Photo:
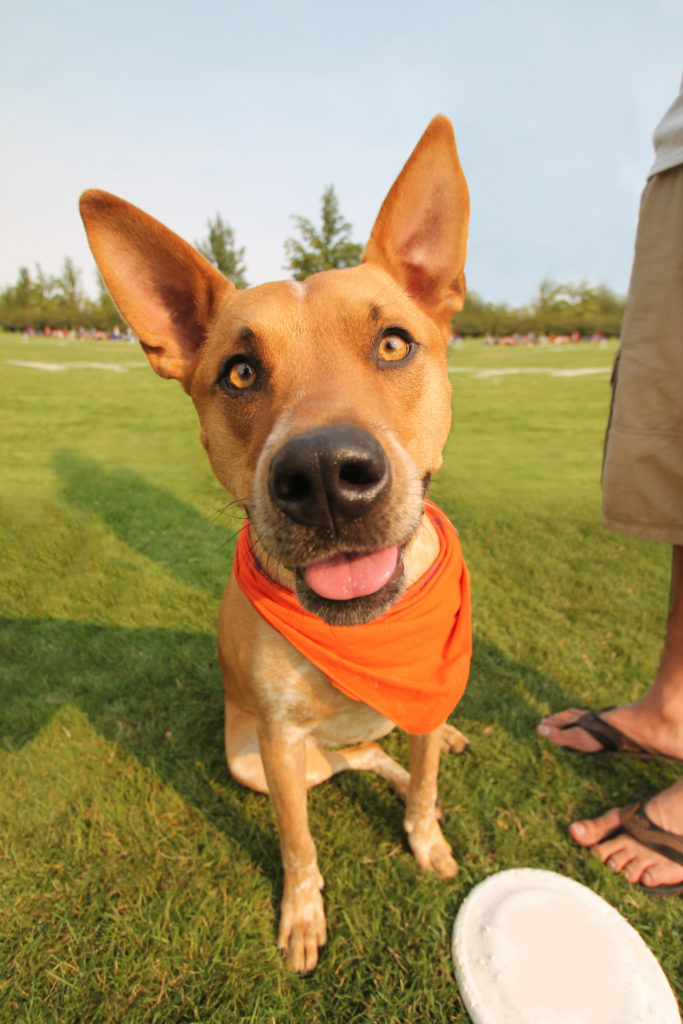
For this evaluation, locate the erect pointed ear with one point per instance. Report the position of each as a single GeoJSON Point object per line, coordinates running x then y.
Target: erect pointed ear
{"type": "Point", "coordinates": [163, 288]}
{"type": "Point", "coordinates": [420, 235]}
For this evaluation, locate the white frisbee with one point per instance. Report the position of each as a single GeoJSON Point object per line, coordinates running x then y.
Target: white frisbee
{"type": "Point", "coordinates": [534, 947]}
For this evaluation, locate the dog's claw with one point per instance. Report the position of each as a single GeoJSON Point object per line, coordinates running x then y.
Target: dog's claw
{"type": "Point", "coordinates": [453, 741]}
{"type": "Point", "coordinates": [430, 849]}
{"type": "Point", "coordinates": [303, 931]}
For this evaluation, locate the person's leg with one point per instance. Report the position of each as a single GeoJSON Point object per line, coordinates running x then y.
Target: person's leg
{"type": "Point", "coordinates": [656, 720]}
{"type": "Point", "coordinates": [642, 480]}
{"type": "Point", "coordinates": [642, 489]}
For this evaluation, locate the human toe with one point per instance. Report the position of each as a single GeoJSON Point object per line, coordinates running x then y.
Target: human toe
{"type": "Point", "coordinates": [563, 730]}
{"type": "Point", "coordinates": [660, 870]}
{"type": "Point", "coordinates": [590, 831]}
{"type": "Point", "coordinates": [560, 719]}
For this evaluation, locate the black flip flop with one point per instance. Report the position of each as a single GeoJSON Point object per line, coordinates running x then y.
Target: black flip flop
{"type": "Point", "coordinates": [636, 823]}
{"type": "Point", "coordinates": [611, 739]}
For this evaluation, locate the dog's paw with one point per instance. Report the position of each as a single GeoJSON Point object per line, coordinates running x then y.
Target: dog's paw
{"type": "Point", "coordinates": [430, 849]}
{"type": "Point", "coordinates": [453, 741]}
{"type": "Point", "coordinates": [303, 929]}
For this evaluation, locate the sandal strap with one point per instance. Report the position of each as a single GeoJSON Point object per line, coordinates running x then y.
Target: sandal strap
{"type": "Point", "coordinates": [611, 739]}
{"type": "Point", "coordinates": [636, 823]}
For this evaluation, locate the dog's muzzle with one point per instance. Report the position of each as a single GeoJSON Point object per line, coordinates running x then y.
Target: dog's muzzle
{"type": "Point", "coordinates": [329, 477]}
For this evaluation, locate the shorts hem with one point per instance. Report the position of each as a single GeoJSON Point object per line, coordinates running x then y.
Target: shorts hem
{"type": "Point", "coordinates": [645, 531]}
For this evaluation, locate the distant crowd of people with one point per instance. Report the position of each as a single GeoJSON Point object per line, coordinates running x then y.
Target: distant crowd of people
{"type": "Point", "coordinates": [532, 338]}
{"type": "Point", "coordinates": [80, 333]}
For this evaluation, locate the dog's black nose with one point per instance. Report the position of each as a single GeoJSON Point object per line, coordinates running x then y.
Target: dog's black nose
{"type": "Point", "coordinates": [329, 476]}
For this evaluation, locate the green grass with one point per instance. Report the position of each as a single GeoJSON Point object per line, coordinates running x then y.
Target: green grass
{"type": "Point", "coordinates": [138, 882]}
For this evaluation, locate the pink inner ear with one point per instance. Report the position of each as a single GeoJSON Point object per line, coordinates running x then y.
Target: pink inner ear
{"type": "Point", "coordinates": [420, 284]}
{"type": "Point", "coordinates": [428, 258]}
{"type": "Point", "coordinates": [162, 286]}
{"type": "Point", "coordinates": [420, 235]}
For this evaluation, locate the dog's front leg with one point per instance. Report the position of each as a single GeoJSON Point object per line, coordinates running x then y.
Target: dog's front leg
{"type": "Point", "coordinates": [426, 840]}
{"type": "Point", "coordinates": [303, 931]}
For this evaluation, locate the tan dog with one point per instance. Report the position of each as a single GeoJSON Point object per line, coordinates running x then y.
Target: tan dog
{"type": "Point", "coordinates": [324, 409]}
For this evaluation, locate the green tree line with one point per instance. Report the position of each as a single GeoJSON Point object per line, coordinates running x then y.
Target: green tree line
{"type": "Point", "coordinates": [557, 309]}
{"type": "Point", "coordinates": [38, 300]}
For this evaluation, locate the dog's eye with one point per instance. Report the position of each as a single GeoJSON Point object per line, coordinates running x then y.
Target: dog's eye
{"type": "Point", "coordinates": [393, 348]}
{"type": "Point", "coordinates": [242, 376]}
{"type": "Point", "coordinates": [238, 375]}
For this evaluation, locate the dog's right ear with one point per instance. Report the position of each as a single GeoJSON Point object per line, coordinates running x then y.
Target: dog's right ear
{"type": "Point", "coordinates": [420, 235]}
{"type": "Point", "coordinates": [164, 289]}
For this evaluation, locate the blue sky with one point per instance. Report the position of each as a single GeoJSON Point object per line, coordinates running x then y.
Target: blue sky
{"type": "Point", "coordinates": [251, 109]}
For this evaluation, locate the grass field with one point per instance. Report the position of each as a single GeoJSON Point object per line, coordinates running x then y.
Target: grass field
{"type": "Point", "coordinates": [138, 882]}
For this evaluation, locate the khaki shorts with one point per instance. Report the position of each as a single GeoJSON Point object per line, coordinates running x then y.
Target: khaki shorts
{"type": "Point", "coordinates": [642, 479]}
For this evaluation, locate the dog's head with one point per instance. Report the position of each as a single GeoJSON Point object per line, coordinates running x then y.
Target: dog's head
{"type": "Point", "coordinates": [324, 405]}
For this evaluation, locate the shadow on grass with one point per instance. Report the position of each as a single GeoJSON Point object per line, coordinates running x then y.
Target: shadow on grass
{"type": "Point", "coordinates": [193, 549]}
{"type": "Point", "coordinates": [159, 693]}
{"type": "Point", "coordinates": [507, 692]}
{"type": "Point", "coordinates": [155, 692]}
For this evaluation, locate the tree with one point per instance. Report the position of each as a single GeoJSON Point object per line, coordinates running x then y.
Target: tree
{"type": "Point", "coordinates": [40, 300]}
{"type": "Point", "coordinates": [219, 249]}
{"type": "Point", "coordinates": [68, 284]}
{"type": "Point", "coordinates": [564, 308]}
{"type": "Point", "coordinates": [65, 295]}
{"type": "Point", "coordinates": [19, 302]}
{"type": "Point", "coordinates": [100, 313]}
{"type": "Point", "coordinates": [325, 250]}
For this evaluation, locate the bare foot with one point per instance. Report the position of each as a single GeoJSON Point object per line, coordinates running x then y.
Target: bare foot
{"type": "Point", "coordinates": [624, 854]}
{"type": "Point", "coordinates": [640, 722]}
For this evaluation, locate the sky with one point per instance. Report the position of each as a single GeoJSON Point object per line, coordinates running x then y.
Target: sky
{"type": "Point", "coordinates": [251, 109]}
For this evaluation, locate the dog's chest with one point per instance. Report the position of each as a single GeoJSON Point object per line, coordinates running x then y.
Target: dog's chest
{"type": "Point", "coordinates": [291, 690]}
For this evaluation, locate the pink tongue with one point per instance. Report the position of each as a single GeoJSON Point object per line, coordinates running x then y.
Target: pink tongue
{"type": "Point", "coordinates": [347, 576]}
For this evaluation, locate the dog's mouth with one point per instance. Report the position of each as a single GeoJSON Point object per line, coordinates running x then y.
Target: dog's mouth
{"type": "Point", "coordinates": [350, 589]}
{"type": "Point", "coordinates": [345, 577]}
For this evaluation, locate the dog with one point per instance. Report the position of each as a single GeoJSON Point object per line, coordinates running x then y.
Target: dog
{"type": "Point", "coordinates": [324, 408]}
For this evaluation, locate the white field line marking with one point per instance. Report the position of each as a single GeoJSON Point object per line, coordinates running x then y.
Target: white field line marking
{"type": "Point", "coordinates": [508, 371]}
{"type": "Point", "coordinates": [60, 367]}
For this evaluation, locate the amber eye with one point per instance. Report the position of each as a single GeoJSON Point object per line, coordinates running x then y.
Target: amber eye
{"type": "Point", "coordinates": [242, 376]}
{"type": "Point", "coordinates": [393, 348]}
{"type": "Point", "coordinates": [238, 374]}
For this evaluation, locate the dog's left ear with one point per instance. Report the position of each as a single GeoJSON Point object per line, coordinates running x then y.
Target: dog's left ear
{"type": "Point", "coordinates": [420, 235]}
{"type": "Point", "coordinates": [162, 286]}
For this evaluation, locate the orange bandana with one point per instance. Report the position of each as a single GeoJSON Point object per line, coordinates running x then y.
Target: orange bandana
{"type": "Point", "coordinates": [410, 664]}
